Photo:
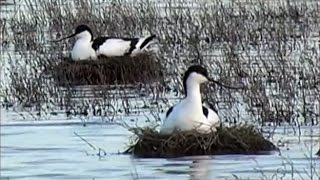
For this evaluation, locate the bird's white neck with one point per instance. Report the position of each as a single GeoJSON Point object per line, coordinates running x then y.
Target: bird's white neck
{"type": "Point", "coordinates": [193, 92]}
{"type": "Point", "coordinates": [84, 37]}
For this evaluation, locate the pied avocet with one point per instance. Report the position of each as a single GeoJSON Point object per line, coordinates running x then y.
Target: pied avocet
{"type": "Point", "coordinates": [86, 47]}
{"type": "Point", "coordinates": [190, 113]}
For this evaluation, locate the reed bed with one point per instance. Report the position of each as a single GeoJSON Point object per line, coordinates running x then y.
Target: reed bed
{"type": "Point", "coordinates": [108, 71]}
{"type": "Point", "coordinates": [271, 50]}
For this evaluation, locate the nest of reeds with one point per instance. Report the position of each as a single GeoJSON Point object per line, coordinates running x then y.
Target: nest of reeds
{"type": "Point", "coordinates": [142, 68]}
{"type": "Point", "coordinates": [226, 140]}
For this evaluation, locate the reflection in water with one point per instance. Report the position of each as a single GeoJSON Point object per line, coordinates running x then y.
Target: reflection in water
{"type": "Point", "coordinates": [196, 167]}
{"type": "Point", "coordinates": [199, 169]}
{"type": "Point", "coordinates": [190, 167]}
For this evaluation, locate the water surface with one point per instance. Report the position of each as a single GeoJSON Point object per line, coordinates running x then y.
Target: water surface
{"type": "Point", "coordinates": [35, 150]}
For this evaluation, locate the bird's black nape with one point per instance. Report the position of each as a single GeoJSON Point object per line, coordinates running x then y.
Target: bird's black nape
{"type": "Point", "coordinates": [193, 69]}
{"type": "Point", "coordinates": [81, 28]}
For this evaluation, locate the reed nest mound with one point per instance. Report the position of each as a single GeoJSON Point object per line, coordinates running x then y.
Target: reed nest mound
{"type": "Point", "coordinates": [143, 68]}
{"type": "Point", "coordinates": [226, 140]}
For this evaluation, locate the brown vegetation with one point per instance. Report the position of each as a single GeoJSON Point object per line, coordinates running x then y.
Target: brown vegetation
{"type": "Point", "coordinates": [108, 71]}
{"type": "Point", "coordinates": [271, 50]}
{"type": "Point", "coordinates": [227, 140]}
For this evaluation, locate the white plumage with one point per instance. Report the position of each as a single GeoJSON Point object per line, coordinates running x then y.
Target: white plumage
{"type": "Point", "coordinates": [113, 47]}
{"type": "Point", "coordinates": [190, 114]}
{"type": "Point", "coordinates": [116, 46]}
{"type": "Point", "coordinates": [82, 48]}
{"type": "Point", "coordinates": [213, 117]}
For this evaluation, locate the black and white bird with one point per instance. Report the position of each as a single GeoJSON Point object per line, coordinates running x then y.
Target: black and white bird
{"type": "Point", "coordinates": [190, 113]}
{"type": "Point", "coordinates": [86, 47]}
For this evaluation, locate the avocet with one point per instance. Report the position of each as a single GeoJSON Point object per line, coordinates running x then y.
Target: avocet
{"type": "Point", "coordinates": [86, 47]}
{"type": "Point", "coordinates": [190, 113]}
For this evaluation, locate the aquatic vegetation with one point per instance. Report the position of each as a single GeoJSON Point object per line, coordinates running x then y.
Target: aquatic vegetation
{"type": "Point", "coordinates": [270, 50]}
{"type": "Point", "coordinates": [227, 140]}
{"type": "Point", "coordinates": [116, 70]}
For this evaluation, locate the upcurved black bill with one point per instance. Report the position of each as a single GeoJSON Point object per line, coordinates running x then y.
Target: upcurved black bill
{"type": "Point", "coordinates": [223, 85]}
{"type": "Point", "coordinates": [72, 35]}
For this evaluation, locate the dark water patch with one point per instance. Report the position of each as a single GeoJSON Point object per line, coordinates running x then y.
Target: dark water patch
{"type": "Point", "coordinates": [108, 170]}
{"type": "Point", "coordinates": [247, 171]}
{"type": "Point", "coordinates": [5, 178]}
{"type": "Point", "coordinates": [174, 165]}
{"type": "Point", "coordinates": [15, 133]}
{"type": "Point", "coordinates": [176, 172]}
{"type": "Point", "coordinates": [146, 177]}
{"type": "Point", "coordinates": [50, 161]}
{"type": "Point", "coordinates": [35, 149]}
{"type": "Point", "coordinates": [46, 175]}
{"type": "Point", "coordinates": [3, 169]}
{"type": "Point", "coordinates": [52, 124]}
{"type": "Point", "coordinates": [6, 147]}
{"type": "Point", "coordinates": [302, 160]}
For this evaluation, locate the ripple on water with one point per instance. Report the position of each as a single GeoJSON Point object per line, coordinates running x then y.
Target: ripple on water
{"type": "Point", "coordinates": [17, 149]}
{"type": "Point", "coordinates": [50, 161]}
{"type": "Point", "coordinates": [37, 176]}
{"type": "Point", "coordinates": [54, 152]}
{"type": "Point", "coordinates": [2, 134]}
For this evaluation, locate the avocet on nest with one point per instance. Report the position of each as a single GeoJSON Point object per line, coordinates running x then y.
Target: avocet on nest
{"type": "Point", "coordinates": [190, 113]}
{"type": "Point", "coordinates": [86, 47]}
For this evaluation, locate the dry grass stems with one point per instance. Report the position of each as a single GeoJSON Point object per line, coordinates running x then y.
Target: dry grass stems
{"type": "Point", "coordinates": [271, 50]}
{"type": "Point", "coordinates": [142, 69]}
{"type": "Point", "coordinates": [227, 140]}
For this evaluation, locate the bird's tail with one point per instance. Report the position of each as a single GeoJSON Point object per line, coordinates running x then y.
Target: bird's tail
{"type": "Point", "coordinates": [147, 41]}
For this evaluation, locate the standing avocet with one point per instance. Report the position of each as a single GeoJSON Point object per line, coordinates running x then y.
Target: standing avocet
{"type": "Point", "coordinates": [86, 47]}
{"type": "Point", "coordinates": [190, 114]}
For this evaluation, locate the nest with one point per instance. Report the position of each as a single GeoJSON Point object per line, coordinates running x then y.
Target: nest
{"type": "Point", "coordinates": [108, 71]}
{"type": "Point", "coordinates": [227, 140]}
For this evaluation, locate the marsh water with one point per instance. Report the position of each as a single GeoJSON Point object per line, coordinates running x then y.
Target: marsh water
{"type": "Point", "coordinates": [53, 149]}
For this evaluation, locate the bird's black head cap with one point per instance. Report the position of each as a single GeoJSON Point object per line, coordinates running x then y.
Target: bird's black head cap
{"type": "Point", "coordinates": [193, 69]}
{"type": "Point", "coordinates": [82, 28]}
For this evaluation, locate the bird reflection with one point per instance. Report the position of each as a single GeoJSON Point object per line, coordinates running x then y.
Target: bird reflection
{"type": "Point", "coordinates": [199, 169]}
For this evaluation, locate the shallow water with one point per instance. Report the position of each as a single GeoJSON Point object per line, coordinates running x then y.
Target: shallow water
{"type": "Point", "coordinates": [37, 150]}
